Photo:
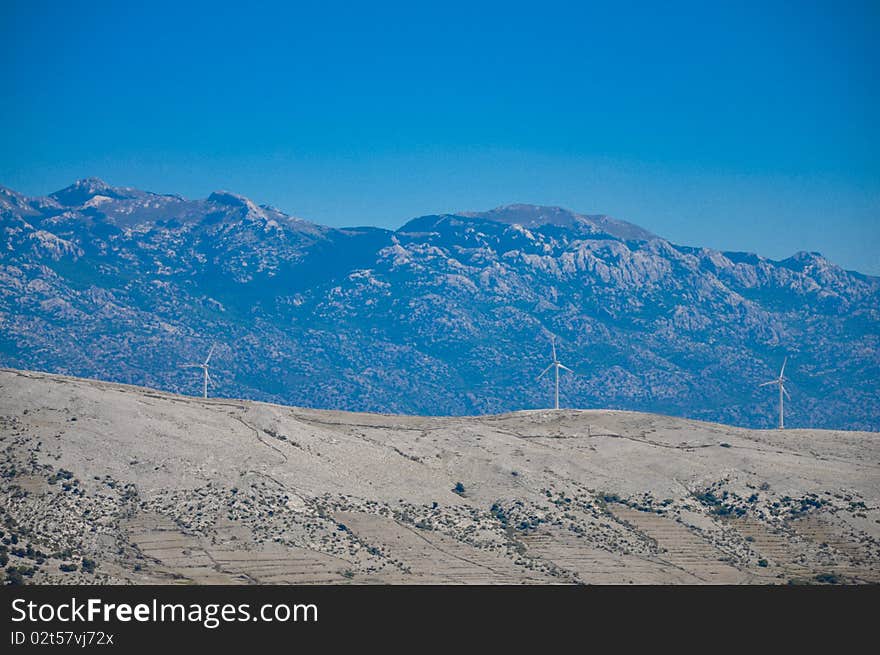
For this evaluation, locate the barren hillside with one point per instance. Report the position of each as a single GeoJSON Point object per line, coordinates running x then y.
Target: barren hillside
{"type": "Point", "coordinates": [144, 487]}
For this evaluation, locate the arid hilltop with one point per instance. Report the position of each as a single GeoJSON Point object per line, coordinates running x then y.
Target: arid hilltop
{"type": "Point", "coordinates": [110, 483]}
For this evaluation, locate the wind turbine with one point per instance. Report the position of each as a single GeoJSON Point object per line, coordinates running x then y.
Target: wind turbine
{"type": "Point", "coordinates": [555, 365]}
{"type": "Point", "coordinates": [780, 381]}
{"type": "Point", "coordinates": [204, 367]}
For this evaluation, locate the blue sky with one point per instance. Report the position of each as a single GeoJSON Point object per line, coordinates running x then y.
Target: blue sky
{"type": "Point", "coordinates": [741, 125]}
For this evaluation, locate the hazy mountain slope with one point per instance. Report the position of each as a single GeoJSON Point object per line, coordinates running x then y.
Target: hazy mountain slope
{"type": "Point", "coordinates": [155, 487]}
{"type": "Point", "coordinates": [534, 216]}
{"type": "Point", "coordinates": [447, 315]}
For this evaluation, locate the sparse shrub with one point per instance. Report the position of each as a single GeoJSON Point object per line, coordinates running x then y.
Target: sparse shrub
{"type": "Point", "coordinates": [498, 512]}
{"type": "Point", "coordinates": [763, 563]}
{"type": "Point", "coordinates": [13, 576]}
{"type": "Point", "coordinates": [88, 565]}
{"type": "Point", "coordinates": [67, 568]}
{"type": "Point", "coordinates": [458, 489]}
{"type": "Point", "coordinates": [707, 498]}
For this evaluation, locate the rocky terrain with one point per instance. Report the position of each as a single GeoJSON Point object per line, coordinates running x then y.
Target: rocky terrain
{"type": "Point", "coordinates": [110, 483]}
{"type": "Point", "coordinates": [448, 315]}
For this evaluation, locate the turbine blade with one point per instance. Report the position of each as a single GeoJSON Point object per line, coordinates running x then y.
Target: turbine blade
{"type": "Point", "coordinates": [785, 391]}
{"type": "Point", "coordinates": [553, 346]}
{"type": "Point", "coordinates": [565, 367]}
{"type": "Point", "coordinates": [210, 352]}
{"type": "Point", "coordinates": [782, 371]}
{"type": "Point", "coordinates": [770, 382]}
{"type": "Point", "coordinates": [544, 372]}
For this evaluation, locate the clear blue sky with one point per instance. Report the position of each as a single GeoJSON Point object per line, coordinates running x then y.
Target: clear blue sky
{"type": "Point", "coordinates": [736, 125]}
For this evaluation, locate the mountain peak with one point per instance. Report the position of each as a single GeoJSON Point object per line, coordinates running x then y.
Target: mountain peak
{"type": "Point", "coordinates": [92, 181]}
{"type": "Point", "coordinates": [94, 184]}
{"type": "Point", "coordinates": [84, 190]}
{"type": "Point", "coordinates": [527, 215]}
{"type": "Point", "coordinates": [533, 216]}
{"type": "Point", "coordinates": [228, 198]}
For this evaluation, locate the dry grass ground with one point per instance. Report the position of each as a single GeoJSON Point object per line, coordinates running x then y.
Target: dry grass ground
{"type": "Point", "coordinates": [156, 488]}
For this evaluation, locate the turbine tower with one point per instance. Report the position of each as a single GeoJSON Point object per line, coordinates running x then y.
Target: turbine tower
{"type": "Point", "coordinates": [555, 364]}
{"type": "Point", "coordinates": [780, 382]}
{"type": "Point", "coordinates": [204, 367]}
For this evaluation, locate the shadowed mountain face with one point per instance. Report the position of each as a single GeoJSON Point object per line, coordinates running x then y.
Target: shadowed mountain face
{"type": "Point", "coordinates": [447, 315]}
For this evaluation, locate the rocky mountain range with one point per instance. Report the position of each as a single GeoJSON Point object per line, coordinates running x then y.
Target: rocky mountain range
{"type": "Point", "coordinates": [449, 314]}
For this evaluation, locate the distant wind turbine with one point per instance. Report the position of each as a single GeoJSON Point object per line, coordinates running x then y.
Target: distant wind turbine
{"type": "Point", "coordinates": [204, 367]}
{"type": "Point", "coordinates": [780, 382]}
{"type": "Point", "coordinates": [555, 364]}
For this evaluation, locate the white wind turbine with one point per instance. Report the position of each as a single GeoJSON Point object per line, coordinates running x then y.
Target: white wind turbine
{"type": "Point", "coordinates": [780, 381]}
{"type": "Point", "coordinates": [555, 365]}
{"type": "Point", "coordinates": [204, 367]}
